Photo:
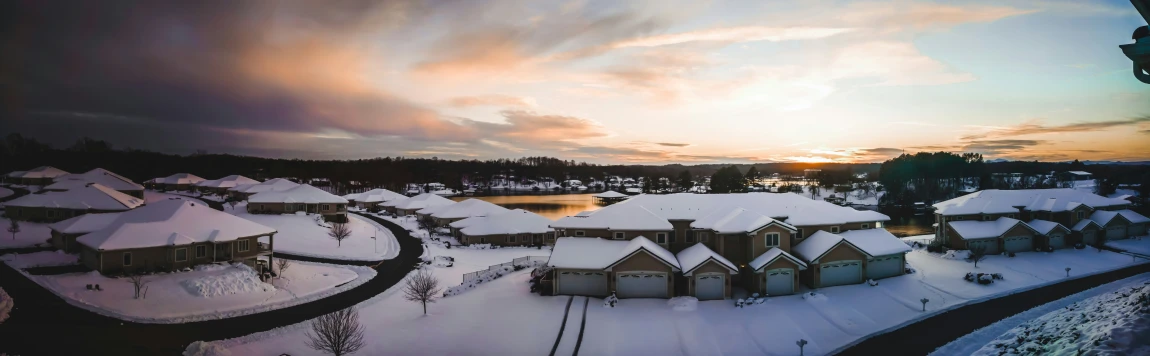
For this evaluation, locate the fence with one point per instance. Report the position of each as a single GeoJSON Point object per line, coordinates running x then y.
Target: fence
{"type": "Point", "coordinates": [522, 261]}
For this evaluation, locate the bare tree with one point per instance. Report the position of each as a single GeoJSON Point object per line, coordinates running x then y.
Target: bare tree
{"type": "Point", "coordinates": [338, 333]}
{"type": "Point", "coordinates": [233, 203]}
{"type": "Point", "coordinates": [140, 285]}
{"type": "Point", "coordinates": [423, 288]}
{"type": "Point", "coordinates": [282, 265]}
{"type": "Point", "coordinates": [977, 253]}
{"type": "Point", "coordinates": [339, 232]}
{"type": "Point", "coordinates": [13, 227]}
{"type": "Point", "coordinates": [427, 223]}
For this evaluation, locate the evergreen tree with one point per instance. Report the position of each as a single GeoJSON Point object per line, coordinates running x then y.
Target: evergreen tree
{"type": "Point", "coordinates": [685, 181]}
{"type": "Point", "coordinates": [728, 180]}
{"type": "Point", "coordinates": [752, 177]}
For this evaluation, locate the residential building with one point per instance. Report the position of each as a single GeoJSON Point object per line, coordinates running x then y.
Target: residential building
{"type": "Point", "coordinates": [43, 175]}
{"type": "Point", "coordinates": [636, 268]}
{"type": "Point", "coordinates": [302, 198]}
{"type": "Point", "coordinates": [99, 175]}
{"type": "Point", "coordinates": [408, 206]}
{"type": "Point", "coordinates": [65, 232]}
{"type": "Point", "coordinates": [170, 235]}
{"type": "Point", "coordinates": [53, 206]}
{"type": "Point", "coordinates": [243, 191]}
{"type": "Point", "coordinates": [178, 182]}
{"type": "Point", "coordinates": [370, 199]}
{"type": "Point", "coordinates": [221, 186]}
{"type": "Point", "coordinates": [508, 228]}
{"type": "Point", "coordinates": [1075, 176]}
{"type": "Point", "coordinates": [446, 214]}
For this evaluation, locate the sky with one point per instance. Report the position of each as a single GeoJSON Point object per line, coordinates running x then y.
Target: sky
{"type": "Point", "coordinates": [647, 82]}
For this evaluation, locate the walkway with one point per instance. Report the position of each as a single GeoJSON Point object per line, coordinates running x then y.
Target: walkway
{"type": "Point", "coordinates": [44, 324]}
{"type": "Point", "coordinates": [924, 336]}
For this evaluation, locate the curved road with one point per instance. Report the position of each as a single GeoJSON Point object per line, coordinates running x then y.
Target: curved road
{"type": "Point", "coordinates": [44, 324]}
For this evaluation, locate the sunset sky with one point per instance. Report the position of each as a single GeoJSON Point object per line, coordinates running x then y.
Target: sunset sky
{"type": "Point", "coordinates": [607, 82]}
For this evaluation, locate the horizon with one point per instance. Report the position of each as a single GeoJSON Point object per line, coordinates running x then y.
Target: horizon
{"type": "Point", "coordinates": [598, 82]}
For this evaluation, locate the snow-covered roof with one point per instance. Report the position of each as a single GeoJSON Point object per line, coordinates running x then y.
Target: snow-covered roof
{"type": "Point", "coordinates": [875, 242]}
{"type": "Point", "coordinates": [99, 175]}
{"type": "Point", "coordinates": [733, 220]}
{"type": "Point", "coordinates": [516, 221]}
{"type": "Point", "coordinates": [970, 229]}
{"type": "Point", "coordinates": [227, 182]}
{"type": "Point", "coordinates": [466, 209]}
{"type": "Point", "coordinates": [993, 201]}
{"type": "Point", "coordinates": [38, 172]}
{"type": "Point", "coordinates": [1103, 217]}
{"type": "Point", "coordinates": [1080, 173]}
{"type": "Point", "coordinates": [92, 196]}
{"type": "Point", "coordinates": [171, 222]}
{"type": "Point", "coordinates": [771, 255]}
{"type": "Point", "coordinates": [180, 178]}
{"type": "Point", "coordinates": [611, 194]}
{"type": "Point", "coordinates": [376, 195]}
{"type": "Point", "coordinates": [1044, 226]}
{"type": "Point", "coordinates": [653, 212]}
{"type": "Point", "coordinates": [419, 202]}
{"type": "Point", "coordinates": [817, 245]}
{"type": "Point", "coordinates": [271, 185]}
{"type": "Point", "coordinates": [1082, 224]}
{"type": "Point", "coordinates": [695, 256]}
{"type": "Point", "coordinates": [642, 243]}
{"type": "Point", "coordinates": [85, 223]}
{"type": "Point", "coordinates": [596, 253]}
{"type": "Point", "coordinates": [302, 193]}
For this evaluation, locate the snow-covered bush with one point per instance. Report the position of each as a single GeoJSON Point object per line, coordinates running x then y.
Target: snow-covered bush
{"type": "Point", "coordinates": [205, 348]}
{"type": "Point", "coordinates": [685, 303]}
{"type": "Point", "coordinates": [957, 255]}
{"type": "Point", "coordinates": [1010, 254]}
{"type": "Point", "coordinates": [817, 297]}
{"type": "Point", "coordinates": [872, 282]}
{"type": "Point", "coordinates": [982, 278]}
{"type": "Point", "coordinates": [610, 301]}
{"type": "Point", "coordinates": [1079, 246]}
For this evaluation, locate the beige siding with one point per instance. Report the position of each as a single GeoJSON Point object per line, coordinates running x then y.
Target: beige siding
{"type": "Point", "coordinates": [643, 261]}
{"type": "Point", "coordinates": [842, 252]}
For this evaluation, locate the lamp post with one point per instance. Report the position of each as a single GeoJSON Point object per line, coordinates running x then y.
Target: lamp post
{"type": "Point", "coordinates": [1139, 51]}
{"type": "Point", "coordinates": [801, 343]}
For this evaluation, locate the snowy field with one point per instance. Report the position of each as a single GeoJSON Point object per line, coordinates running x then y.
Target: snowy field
{"type": "Point", "coordinates": [5, 192]}
{"type": "Point", "coordinates": [31, 234]}
{"type": "Point", "coordinates": [976, 340]}
{"type": "Point", "coordinates": [831, 319]}
{"type": "Point", "coordinates": [208, 292]}
{"type": "Point", "coordinates": [1139, 245]}
{"type": "Point", "coordinates": [302, 235]}
{"type": "Point", "coordinates": [40, 259]}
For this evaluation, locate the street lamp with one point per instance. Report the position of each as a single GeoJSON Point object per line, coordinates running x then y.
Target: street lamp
{"type": "Point", "coordinates": [1139, 51]}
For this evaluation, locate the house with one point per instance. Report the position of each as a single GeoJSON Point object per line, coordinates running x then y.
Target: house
{"type": "Point", "coordinates": [221, 186]}
{"type": "Point", "coordinates": [1064, 206]}
{"type": "Point", "coordinates": [446, 214]}
{"type": "Point", "coordinates": [1120, 224]}
{"type": "Point", "coordinates": [508, 228]}
{"type": "Point", "coordinates": [996, 236]}
{"type": "Point", "coordinates": [101, 176]}
{"type": "Point", "coordinates": [178, 182]}
{"type": "Point", "coordinates": [408, 206]}
{"type": "Point", "coordinates": [371, 198]}
{"type": "Point", "coordinates": [1053, 235]}
{"type": "Point", "coordinates": [170, 235]}
{"type": "Point", "coordinates": [638, 268]}
{"type": "Point", "coordinates": [850, 257]}
{"type": "Point", "coordinates": [243, 191]}
{"type": "Point", "coordinates": [1072, 176]}
{"type": "Point", "coordinates": [302, 198]}
{"type": "Point", "coordinates": [43, 175]}
{"type": "Point", "coordinates": [708, 274]}
{"type": "Point", "coordinates": [610, 197]}
{"type": "Point", "coordinates": [53, 206]}
{"type": "Point", "coordinates": [65, 232]}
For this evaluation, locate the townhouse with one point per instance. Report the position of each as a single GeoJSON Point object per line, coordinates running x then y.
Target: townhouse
{"type": "Point", "coordinates": [302, 198]}
{"type": "Point", "coordinates": [53, 206]}
{"type": "Point", "coordinates": [507, 228]}
{"type": "Point", "coordinates": [178, 182]}
{"type": "Point", "coordinates": [372, 198]}
{"type": "Point", "coordinates": [449, 213]}
{"type": "Point", "coordinates": [220, 186]}
{"type": "Point", "coordinates": [42, 175]}
{"type": "Point", "coordinates": [244, 191]}
{"type": "Point", "coordinates": [101, 176]}
{"type": "Point", "coordinates": [408, 206]}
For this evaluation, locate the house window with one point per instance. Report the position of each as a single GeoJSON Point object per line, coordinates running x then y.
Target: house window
{"type": "Point", "coordinates": [323, 207]}
{"type": "Point", "coordinates": [1081, 215]}
{"type": "Point", "coordinates": [51, 213]}
{"type": "Point", "coordinates": [878, 224]}
{"type": "Point", "coordinates": [260, 207]}
{"type": "Point", "coordinates": [703, 236]}
{"type": "Point", "coordinates": [834, 229]}
{"type": "Point", "coordinates": [986, 218]}
{"type": "Point", "coordinates": [958, 218]}
{"type": "Point", "coordinates": [127, 258]}
{"type": "Point", "coordinates": [242, 245]}
{"type": "Point", "coordinates": [690, 236]}
{"type": "Point", "coordinates": [580, 233]}
{"type": "Point", "coordinates": [550, 238]}
{"type": "Point", "coordinates": [618, 235]}
{"type": "Point", "coordinates": [771, 240]}
{"type": "Point", "coordinates": [865, 226]}
{"type": "Point", "coordinates": [201, 251]}
{"type": "Point", "coordinates": [1012, 216]}
{"type": "Point", "coordinates": [800, 232]}
{"type": "Point", "coordinates": [511, 239]}
{"type": "Point", "coordinates": [661, 237]}
{"type": "Point", "coordinates": [181, 254]}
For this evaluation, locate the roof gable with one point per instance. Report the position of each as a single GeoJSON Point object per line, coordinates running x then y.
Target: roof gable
{"type": "Point", "coordinates": [697, 255]}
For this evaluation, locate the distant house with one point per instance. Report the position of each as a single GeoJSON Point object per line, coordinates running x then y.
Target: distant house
{"type": "Point", "coordinates": [99, 175]}
{"type": "Point", "coordinates": [370, 199]}
{"type": "Point", "coordinates": [221, 186]}
{"type": "Point", "coordinates": [409, 206]}
{"type": "Point", "coordinates": [1072, 176]}
{"type": "Point", "coordinates": [178, 181]}
{"type": "Point", "coordinates": [243, 191]}
{"type": "Point", "coordinates": [52, 206]}
{"type": "Point", "coordinates": [302, 198]}
{"type": "Point", "coordinates": [43, 175]}
{"type": "Point", "coordinates": [446, 214]}
{"type": "Point", "coordinates": [170, 235]}
{"type": "Point", "coordinates": [508, 228]}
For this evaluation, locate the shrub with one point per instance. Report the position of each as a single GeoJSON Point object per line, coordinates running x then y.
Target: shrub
{"type": "Point", "coordinates": [936, 247]}
{"type": "Point", "coordinates": [1010, 254]}
{"type": "Point", "coordinates": [1079, 246]}
{"type": "Point", "coordinates": [982, 278]}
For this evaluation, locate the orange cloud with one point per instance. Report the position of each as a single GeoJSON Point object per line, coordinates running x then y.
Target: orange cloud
{"type": "Point", "coordinates": [492, 100]}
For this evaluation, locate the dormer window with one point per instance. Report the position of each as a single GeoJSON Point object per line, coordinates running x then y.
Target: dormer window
{"type": "Point", "coordinates": [1081, 215]}
{"type": "Point", "coordinates": [986, 218]}
{"type": "Point", "coordinates": [834, 229]}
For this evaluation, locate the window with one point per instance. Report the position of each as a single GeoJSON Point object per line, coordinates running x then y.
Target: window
{"type": "Point", "coordinates": [771, 239]}
{"type": "Point", "coordinates": [690, 236]}
{"type": "Point", "coordinates": [878, 224]}
{"type": "Point", "coordinates": [801, 233]}
{"type": "Point", "coordinates": [958, 218]}
{"type": "Point", "coordinates": [127, 258]}
{"type": "Point", "coordinates": [260, 207]}
{"type": "Point", "coordinates": [242, 245]}
{"type": "Point", "coordinates": [834, 229]}
{"type": "Point", "coordinates": [703, 236]}
{"type": "Point", "coordinates": [51, 213]}
{"type": "Point", "coordinates": [619, 235]}
{"type": "Point", "coordinates": [323, 207]}
{"type": "Point", "coordinates": [201, 251]}
{"type": "Point", "coordinates": [661, 238]}
{"type": "Point", "coordinates": [865, 226]}
{"type": "Point", "coordinates": [550, 238]}
{"type": "Point", "coordinates": [181, 254]}
{"type": "Point", "coordinates": [1081, 215]}
{"type": "Point", "coordinates": [986, 218]}
{"type": "Point", "coordinates": [510, 239]}
{"type": "Point", "coordinates": [580, 233]}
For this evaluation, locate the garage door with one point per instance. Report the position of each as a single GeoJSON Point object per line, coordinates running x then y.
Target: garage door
{"type": "Point", "coordinates": [1019, 244]}
{"type": "Point", "coordinates": [1088, 237]}
{"type": "Point", "coordinates": [710, 286]}
{"type": "Point", "coordinates": [1057, 241]}
{"type": "Point", "coordinates": [583, 283]}
{"type": "Point", "coordinates": [991, 245]}
{"type": "Point", "coordinates": [641, 285]}
{"type": "Point", "coordinates": [884, 266]}
{"type": "Point", "coordinates": [1116, 232]}
{"type": "Point", "coordinates": [1136, 230]}
{"type": "Point", "coordinates": [840, 273]}
{"type": "Point", "coordinates": [780, 281]}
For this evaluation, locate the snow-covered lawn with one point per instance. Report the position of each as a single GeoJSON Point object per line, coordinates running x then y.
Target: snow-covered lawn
{"type": "Point", "coordinates": [303, 235]}
{"type": "Point", "coordinates": [829, 320]}
{"type": "Point", "coordinates": [209, 292]}
{"type": "Point", "coordinates": [1139, 245]}
{"type": "Point", "coordinates": [40, 259]}
{"type": "Point", "coordinates": [4, 192]}
{"type": "Point", "coordinates": [31, 234]}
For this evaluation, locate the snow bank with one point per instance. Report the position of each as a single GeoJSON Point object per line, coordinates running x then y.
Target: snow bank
{"type": "Point", "coordinates": [957, 255]}
{"type": "Point", "coordinates": [6, 305]}
{"type": "Point", "coordinates": [241, 279]}
{"type": "Point", "coordinates": [489, 275]}
{"type": "Point", "coordinates": [202, 348]}
{"type": "Point", "coordinates": [40, 259]}
{"type": "Point", "coordinates": [686, 303]}
{"type": "Point", "coordinates": [1135, 245]}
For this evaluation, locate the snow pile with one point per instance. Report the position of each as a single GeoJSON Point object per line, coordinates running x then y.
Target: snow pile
{"type": "Point", "coordinates": [1114, 323]}
{"type": "Point", "coordinates": [241, 280]}
{"type": "Point", "coordinates": [40, 259]}
{"type": "Point", "coordinates": [204, 348]}
{"type": "Point", "coordinates": [6, 305]}
{"type": "Point", "coordinates": [815, 297]}
{"type": "Point", "coordinates": [957, 255]}
{"type": "Point", "coordinates": [686, 303]}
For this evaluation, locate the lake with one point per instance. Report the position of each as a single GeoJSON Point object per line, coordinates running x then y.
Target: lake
{"type": "Point", "coordinates": [555, 206]}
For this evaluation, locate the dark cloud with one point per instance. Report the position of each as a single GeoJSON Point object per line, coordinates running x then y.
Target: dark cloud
{"type": "Point", "coordinates": [996, 147]}
{"type": "Point", "coordinates": [672, 144]}
{"type": "Point", "coordinates": [1033, 127]}
{"type": "Point", "coordinates": [880, 151]}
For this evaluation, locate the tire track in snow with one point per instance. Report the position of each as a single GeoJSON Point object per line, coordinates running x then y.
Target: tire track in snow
{"type": "Point", "coordinates": [562, 325]}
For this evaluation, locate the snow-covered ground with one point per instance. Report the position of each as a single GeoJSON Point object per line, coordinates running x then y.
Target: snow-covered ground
{"type": "Point", "coordinates": [31, 235]}
{"type": "Point", "coordinates": [976, 340]}
{"type": "Point", "coordinates": [828, 320]}
{"type": "Point", "coordinates": [1139, 245]}
{"type": "Point", "coordinates": [151, 196]}
{"type": "Point", "coordinates": [208, 292]}
{"type": "Point", "coordinates": [303, 235]}
{"type": "Point", "coordinates": [6, 305]}
{"type": "Point", "coordinates": [4, 192]}
{"type": "Point", "coordinates": [40, 259]}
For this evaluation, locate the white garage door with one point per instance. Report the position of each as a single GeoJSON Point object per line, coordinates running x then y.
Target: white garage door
{"type": "Point", "coordinates": [839, 273]}
{"type": "Point", "coordinates": [1057, 240]}
{"type": "Point", "coordinates": [641, 284]}
{"type": "Point", "coordinates": [582, 283]}
{"type": "Point", "coordinates": [1088, 237]}
{"type": "Point", "coordinates": [884, 266]}
{"type": "Point", "coordinates": [991, 245]}
{"type": "Point", "coordinates": [1116, 232]}
{"type": "Point", "coordinates": [780, 281]}
{"type": "Point", "coordinates": [1019, 244]}
{"type": "Point", "coordinates": [1136, 230]}
{"type": "Point", "coordinates": [710, 286]}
